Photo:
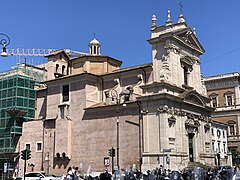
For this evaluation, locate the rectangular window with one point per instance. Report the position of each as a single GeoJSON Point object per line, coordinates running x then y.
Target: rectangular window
{"type": "Point", "coordinates": [224, 147]}
{"type": "Point", "coordinates": [185, 71]}
{"type": "Point", "coordinates": [212, 132]}
{"type": "Point", "coordinates": [232, 130]}
{"type": "Point", "coordinates": [213, 145]}
{"type": "Point", "coordinates": [39, 146]}
{"type": "Point", "coordinates": [65, 93]}
{"type": "Point", "coordinates": [219, 147]}
{"type": "Point", "coordinates": [223, 134]}
{"type": "Point", "coordinates": [62, 112]}
{"type": "Point", "coordinates": [229, 100]}
{"type": "Point", "coordinates": [28, 146]}
{"type": "Point", "coordinates": [214, 101]}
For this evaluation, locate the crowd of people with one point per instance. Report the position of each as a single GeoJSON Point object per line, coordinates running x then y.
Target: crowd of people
{"type": "Point", "coordinates": [198, 173]}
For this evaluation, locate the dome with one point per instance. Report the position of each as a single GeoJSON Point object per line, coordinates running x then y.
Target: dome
{"type": "Point", "coordinates": [94, 47]}
{"type": "Point", "coordinates": [94, 42]}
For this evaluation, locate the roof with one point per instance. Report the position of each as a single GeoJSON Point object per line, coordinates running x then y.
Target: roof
{"type": "Point", "coordinates": [222, 76]}
{"type": "Point", "coordinates": [94, 42]}
{"type": "Point", "coordinates": [91, 55]}
{"type": "Point", "coordinates": [115, 71]}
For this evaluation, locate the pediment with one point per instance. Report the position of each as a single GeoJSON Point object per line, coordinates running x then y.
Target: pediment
{"type": "Point", "coordinates": [194, 98]}
{"type": "Point", "coordinates": [189, 38]}
{"type": "Point", "coordinates": [187, 60]}
{"type": "Point", "coordinates": [213, 94]}
{"type": "Point", "coordinates": [231, 122]}
{"type": "Point", "coordinates": [228, 92]}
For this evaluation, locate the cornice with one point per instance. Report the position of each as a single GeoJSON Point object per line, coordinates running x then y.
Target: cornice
{"type": "Point", "coordinates": [163, 84]}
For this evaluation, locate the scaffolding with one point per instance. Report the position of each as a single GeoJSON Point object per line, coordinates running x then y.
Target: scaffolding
{"type": "Point", "coordinates": [17, 104]}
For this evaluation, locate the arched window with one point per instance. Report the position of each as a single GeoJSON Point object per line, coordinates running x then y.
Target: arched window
{"type": "Point", "coordinates": [63, 69]}
{"type": "Point", "coordinates": [91, 50]}
{"type": "Point", "coordinates": [57, 66]}
{"type": "Point", "coordinates": [95, 50]}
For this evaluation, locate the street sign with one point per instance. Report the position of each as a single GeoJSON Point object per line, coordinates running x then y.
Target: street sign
{"type": "Point", "coordinates": [166, 150]}
{"type": "Point", "coordinates": [106, 161]}
{"type": "Point", "coordinates": [5, 167]}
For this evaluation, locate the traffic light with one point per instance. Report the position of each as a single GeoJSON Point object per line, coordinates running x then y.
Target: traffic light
{"type": "Point", "coordinates": [111, 152]}
{"type": "Point", "coordinates": [25, 154]}
{"type": "Point", "coordinates": [28, 154]}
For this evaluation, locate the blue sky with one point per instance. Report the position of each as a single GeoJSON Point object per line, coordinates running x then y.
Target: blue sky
{"type": "Point", "coordinates": [122, 27]}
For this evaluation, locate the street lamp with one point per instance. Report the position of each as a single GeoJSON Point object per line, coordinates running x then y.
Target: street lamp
{"type": "Point", "coordinates": [4, 41]}
{"type": "Point", "coordinates": [117, 97]}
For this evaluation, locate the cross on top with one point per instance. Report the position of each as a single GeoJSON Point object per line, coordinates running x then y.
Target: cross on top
{"type": "Point", "coordinates": [181, 6]}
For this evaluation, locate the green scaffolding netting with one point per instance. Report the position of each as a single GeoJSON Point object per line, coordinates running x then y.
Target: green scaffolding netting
{"type": "Point", "coordinates": [17, 104]}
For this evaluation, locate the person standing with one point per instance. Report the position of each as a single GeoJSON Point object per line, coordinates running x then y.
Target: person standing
{"type": "Point", "coordinates": [70, 174]}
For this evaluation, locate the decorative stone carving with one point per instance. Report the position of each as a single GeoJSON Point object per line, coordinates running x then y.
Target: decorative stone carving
{"type": "Point", "coordinates": [187, 60]}
{"type": "Point", "coordinates": [183, 113]}
{"type": "Point", "coordinates": [134, 89]}
{"type": "Point", "coordinates": [201, 117]}
{"type": "Point", "coordinates": [187, 36]}
{"type": "Point", "coordinates": [190, 116]}
{"type": "Point", "coordinates": [191, 130]}
{"type": "Point", "coordinates": [192, 125]}
{"type": "Point", "coordinates": [177, 112]}
{"type": "Point", "coordinates": [171, 121]}
{"type": "Point", "coordinates": [144, 111]}
{"type": "Point", "coordinates": [163, 109]}
{"type": "Point", "coordinates": [165, 72]}
{"type": "Point", "coordinates": [165, 75]}
{"type": "Point", "coordinates": [154, 20]}
{"type": "Point", "coordinates": [171, 140]}
{"type": "Point", "coordinates": [171, 48]}
{"type": "Point", "coordinates": [207, 127]}
{"type": "Point", "coordinates": [116, 81]}
{"type": "Point", "coordinates": [106, 94]}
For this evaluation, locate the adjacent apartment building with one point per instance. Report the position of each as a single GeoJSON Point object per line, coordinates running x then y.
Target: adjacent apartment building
{"type": "Point", "coordinates": [219, 143]}
{"type": "Point", "coordinates": [223, 90]}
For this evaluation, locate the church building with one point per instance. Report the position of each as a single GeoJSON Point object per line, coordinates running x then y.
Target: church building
{"type": "Point", "coordinates": [151, 114]}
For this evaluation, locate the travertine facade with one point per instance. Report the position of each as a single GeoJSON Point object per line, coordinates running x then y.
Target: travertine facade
{"type": "Point", "coordinates": [166, 120]}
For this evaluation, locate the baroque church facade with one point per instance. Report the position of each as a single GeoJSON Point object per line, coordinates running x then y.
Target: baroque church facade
{"type": "Point", "coordinates": [151, 114]}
